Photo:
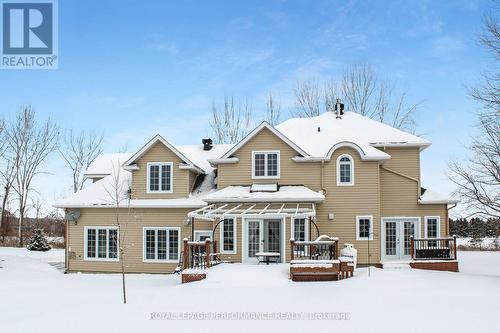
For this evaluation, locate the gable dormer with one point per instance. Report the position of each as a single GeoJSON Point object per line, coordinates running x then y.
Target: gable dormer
{"type": "Point", "coordinates": [161, 171]}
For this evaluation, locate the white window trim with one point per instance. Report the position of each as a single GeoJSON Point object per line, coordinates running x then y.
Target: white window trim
{"type": "Point", "coordinates": [156, 245]}
{"type": "Point", "coordinates": [438, 218]}
{"type": "Point", "coordinates": [221, 243]}
{"type": "Point", "coordinates": [292, 236]}
{"type": "Point", "coordinates": [265, 164]}
{"type": "Point", "coordinates": [85, 246]}
{"type": "Point", "coordinates": [171, 177]}
{"type": "Point", "coordinates": [203, 233]}
{"type": "Point", "coordinates": [351, 183]}
{"type": "Point", "coordinates": [370, 217]}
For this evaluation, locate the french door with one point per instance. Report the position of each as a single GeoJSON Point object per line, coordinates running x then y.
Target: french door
{"type": "Point", "coordinates": [261, 236]}
{"type": "Point", "coordinates": [396, 233]}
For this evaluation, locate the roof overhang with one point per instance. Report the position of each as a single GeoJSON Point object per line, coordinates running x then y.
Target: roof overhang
{"type": "Point", "coordinates": [218, 211]}
{"type": "Point", "coordinates": [158, 138]}
{"type": "Point", "coordinates": [256, 131]}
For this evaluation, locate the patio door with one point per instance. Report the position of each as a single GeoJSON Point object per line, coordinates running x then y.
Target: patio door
{"type": "Point", "coordinates": [254, 237]}
{"type": "Point", "coordinates": [396, 233]}
{"type": "Point", "coordinates": [261, 236]}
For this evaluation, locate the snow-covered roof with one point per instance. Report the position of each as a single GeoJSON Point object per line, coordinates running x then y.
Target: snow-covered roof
{"type": "Point", "coordinates": [320, 136]}
{"type": "Point", "coordinates": [430, 197]}
{"type": "Point", "coordinates": [101, 194]}
{"type": "Point", "coordinates": [199, 156]}
{"type": "Point", "coordinates": [257, 130]}
{"type": "Point", "coordinates": [104, 163]}
{"type": "Point", "coordinates": [284, 194]}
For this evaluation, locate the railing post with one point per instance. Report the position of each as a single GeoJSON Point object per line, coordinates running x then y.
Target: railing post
{"type": "Point", "coordinates": [207, 252]}
{"type": "Point", "coordinates": [336, 249]}
{"type": "Point", "coordinates": [412, 247]}
{"type": "Point", "coordinates": [292, 246]}
{"type": "Point", "coordinates": [454, 247]}
{"type": "Point", "coordinates": [185, 253]}
{"type": "Point", "coordinates": [214, 247]}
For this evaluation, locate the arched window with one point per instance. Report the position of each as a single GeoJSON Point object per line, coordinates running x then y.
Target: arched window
{"type": "Point", "coordinates": [345, 170]}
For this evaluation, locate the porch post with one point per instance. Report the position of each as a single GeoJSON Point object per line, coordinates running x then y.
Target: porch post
{"type": "Point", "coordinates": [185, 254]}
{"type": "Point", "coordinates": [207, 252]}
{"type": "Point", "coordinates": [292, 245]}
{"type": "Point", "coordinates": [412, 247]}
{"type": "Point", "coordinates": [192, 229]}
{"type": "Point", "coordinates": [455, 247]}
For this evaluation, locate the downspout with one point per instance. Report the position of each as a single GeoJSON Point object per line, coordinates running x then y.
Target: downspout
{"type": "Point", "coordinates": [447, 217]}
{"type": "Point", "coordinates": [323, 189]}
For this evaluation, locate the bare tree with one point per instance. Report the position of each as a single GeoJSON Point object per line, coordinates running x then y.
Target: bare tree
{"type": "Point", "coordinates": [37, 204]}
{"type": "Point", "coordinates": [232, 123]}
{"type": "Point", "coordinates": [7, 181]}
{"type": "Point", "coordinates": [363, 92]}
{"type": "Point", "coordinates": [307, 99]}
{"type": "Point", "coordinates": [478, 180]}
{"type": "Point", "coordinates": [273, 110]}
{"type": "Point", "coordinates": [30, 143]}
{"type": "Point", "coordinates": [118, 192]}
{"type": "Point", "coordinates": [358, 85]}
{"type": "Point", "coordinates": [79, 151]}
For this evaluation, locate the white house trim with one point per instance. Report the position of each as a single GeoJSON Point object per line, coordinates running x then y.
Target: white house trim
{"type": "Point", "coordinates": [339, 183]}
{"type": "Point", "coordinates": [159, 176]}
{"type": "Point", "coordinates": [235, 238]}
{"type": "Point", "coordinates": [438, 218]}
{"type": "Point", "coordinates": [155, 139]}
{"type": "Point", "coordinates": [102, 227]}
{"type": "Point", "coordinates": [266, 152]}
{"type": "Point", "coordinates": [256, 131]}
{"type": "Point", "coordinates": [370, 232]}
{"type": "Point", "coordinates": [156, 245]}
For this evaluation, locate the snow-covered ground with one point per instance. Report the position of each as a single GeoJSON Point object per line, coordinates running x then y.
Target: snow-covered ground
{"type": "Point", "coordinates": [484, 244]}
{"type": "Point", "coordinates": [35, 295]}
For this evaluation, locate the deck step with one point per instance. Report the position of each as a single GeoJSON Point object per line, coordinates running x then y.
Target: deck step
{"type": "Point", "coordinates": [396, 265]}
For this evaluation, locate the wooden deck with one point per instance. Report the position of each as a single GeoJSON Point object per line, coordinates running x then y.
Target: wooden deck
{"type": "Point", "coordinates": [318, 261]}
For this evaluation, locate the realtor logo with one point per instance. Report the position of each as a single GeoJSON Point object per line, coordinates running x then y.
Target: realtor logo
{"type": "Point", "coordinates": [29, 34]}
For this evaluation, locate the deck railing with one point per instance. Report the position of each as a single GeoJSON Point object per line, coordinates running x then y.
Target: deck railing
{"type": "Point", "coordinates": [199, 255]}
{"type": "Point", "coordinates": [314, 250]}
{"type": "Point", "coordinates": [433, 248]}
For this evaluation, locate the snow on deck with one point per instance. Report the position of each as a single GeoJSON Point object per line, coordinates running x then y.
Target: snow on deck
{"type": "Point", "coordinates": [37, 295]}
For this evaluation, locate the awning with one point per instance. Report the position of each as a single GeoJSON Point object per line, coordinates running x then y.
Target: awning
{"type": "Point", "coordinates": [254, 210]}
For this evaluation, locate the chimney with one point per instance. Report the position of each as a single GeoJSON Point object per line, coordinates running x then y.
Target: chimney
{"type": "Point", "coordinates": [207, 144]}
{"type": "Point", "coordinates": [339, 108]}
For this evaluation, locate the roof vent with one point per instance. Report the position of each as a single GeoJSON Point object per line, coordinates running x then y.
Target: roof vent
{"type": "Point", "coordinates": [207, 144]}
{"type": "Point", "coordinates": [339, 108]}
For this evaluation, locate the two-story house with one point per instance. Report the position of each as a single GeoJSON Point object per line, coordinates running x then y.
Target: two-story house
{"type": "Point", "coordinates": [337, 174]}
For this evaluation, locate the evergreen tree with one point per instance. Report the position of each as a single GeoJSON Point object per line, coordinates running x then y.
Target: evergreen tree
{"type": "Point", "coordinates": [38, 241]}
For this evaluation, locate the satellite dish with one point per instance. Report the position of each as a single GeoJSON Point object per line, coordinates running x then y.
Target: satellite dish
{"type": "Point", "coordinates": [73, 215]}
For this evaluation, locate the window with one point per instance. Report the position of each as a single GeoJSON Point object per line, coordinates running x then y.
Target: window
{"type": "Point", "coordinates": [432, 227]}
{"type": "Point", "coordinates": [300, 233]}
{"type": "Point", "coordinates": [265, 164]}
{"type": "Point", "coordinates": [101, 243]}
{"type": "Point", "coordinates": [364, 228]}
{"type": "Point", "coordinates": [159, 177]}
{"type": "Point", "coordinates": [345, 170]}
{"type": "Point", "coordinates": [228, 233]}
{"type": "Point", "coordinates": [161, 244]}
{"type": "Point", "coordinates": [300, 230]}
{"type": "Point", "coordinates": [202, 235]}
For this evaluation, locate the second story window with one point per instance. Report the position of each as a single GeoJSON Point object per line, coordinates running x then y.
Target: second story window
{"type": "Point", "coordinates": [159, 177]}
{"type": "Point", "coordinates": [265, 164]}
{"type": "Point", "coordinates": [345, 170]}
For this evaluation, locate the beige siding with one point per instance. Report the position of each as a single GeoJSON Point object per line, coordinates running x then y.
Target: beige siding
{"type": "Point", "coordinates": [292, 173]}
{"type": "Point", "coordinates": [404, 160]}
{"type": "Point", "coordinates": [131, 237]}
{"type": "Point", "coordinates": [399, 198]}
{"type": "Point", "coordinates": [160, 153]}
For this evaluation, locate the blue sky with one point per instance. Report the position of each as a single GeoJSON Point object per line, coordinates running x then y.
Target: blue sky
{"type": "Point", "coordinates": [132, 69]}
